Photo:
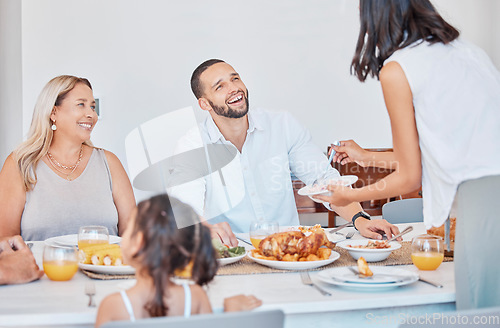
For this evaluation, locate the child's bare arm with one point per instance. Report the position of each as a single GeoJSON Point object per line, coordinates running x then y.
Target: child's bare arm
{"type": "Point", "coordinates": [241, 303]}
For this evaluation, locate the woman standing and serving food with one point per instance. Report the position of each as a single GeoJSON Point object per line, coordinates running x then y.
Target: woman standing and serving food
{"type": "Point", "coordinates": [443, 99]}
{"type": "Point", "coordinates": [56, 181]}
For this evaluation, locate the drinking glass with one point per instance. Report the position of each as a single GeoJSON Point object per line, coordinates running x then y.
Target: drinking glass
{"type": "Point", "coordinates": [92, 235]}
{"type": "Point", "coordinates": [427, 252]}
{"type": "Point", "coordinates": [60, 263]}
{"type": "Point", "coordinates": [261, 229]}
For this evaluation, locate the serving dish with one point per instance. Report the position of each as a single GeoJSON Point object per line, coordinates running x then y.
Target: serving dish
{"type": "Point", "coordinates": [299, 265]}
{"type": "Point", "coordinates": [370, 255]}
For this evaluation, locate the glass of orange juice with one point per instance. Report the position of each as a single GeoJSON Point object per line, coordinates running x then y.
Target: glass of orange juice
{"type": "Point", "coordinates": [60, 263]}
{"type": "Point", "coordinates": [92, 235]}
{"type": "Point", "coordinates": [260, 229]}
{"type": "Point", "coordinates": [427, 252]}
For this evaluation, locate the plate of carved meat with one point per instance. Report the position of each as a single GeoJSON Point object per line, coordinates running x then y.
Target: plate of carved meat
{"type": "Point", "coordinates": [305, 249]}
{"type": "Point", "coordinates": [295, 265]}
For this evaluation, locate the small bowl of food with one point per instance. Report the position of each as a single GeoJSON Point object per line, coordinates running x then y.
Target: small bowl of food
{"type": "Point", "coordinates": [321, 187]}
{"type": "Point", "coordinates": [371, 250]}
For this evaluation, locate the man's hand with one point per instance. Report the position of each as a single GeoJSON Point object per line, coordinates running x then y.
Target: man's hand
{"type": "Point", "coordinates": [17, 264]}
{"type": "Point", "coordinates": [374, 229]}
{"type": "Point", "coordinates": [224, 233]}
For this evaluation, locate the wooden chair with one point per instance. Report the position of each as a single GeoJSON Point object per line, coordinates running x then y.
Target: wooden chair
{"type": "Point", "coordinates": [367, 176]}
{"type": "Point", "coordinates": [304, 203]}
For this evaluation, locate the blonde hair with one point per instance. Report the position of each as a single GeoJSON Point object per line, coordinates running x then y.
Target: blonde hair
{"type": "Point", "coordinates": [30, 152]}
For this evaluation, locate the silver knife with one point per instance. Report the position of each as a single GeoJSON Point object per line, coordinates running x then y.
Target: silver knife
{"type": "Point", "coordinates": [348, 224]}
{"type": "Point", "coordinates": [244, 240]}
{"type": "Point", "coordinates": [435, 284]}
{"type": "Point", "coordinates": [398, 280]}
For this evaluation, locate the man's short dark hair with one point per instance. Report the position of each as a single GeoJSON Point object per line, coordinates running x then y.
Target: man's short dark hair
{"type": "Point", "coordinates": [196, 86]}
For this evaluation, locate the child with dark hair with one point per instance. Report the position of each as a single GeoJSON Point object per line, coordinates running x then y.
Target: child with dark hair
{"type": "Point", "coordinates": [158, 250]}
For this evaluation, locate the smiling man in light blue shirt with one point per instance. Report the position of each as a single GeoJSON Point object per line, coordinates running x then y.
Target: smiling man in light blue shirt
{"type": "Point", "coordinates": [264, 148]}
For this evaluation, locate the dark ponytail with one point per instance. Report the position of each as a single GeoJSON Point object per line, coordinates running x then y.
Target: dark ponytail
{"type": "Point", "coordinates": [166, 248]}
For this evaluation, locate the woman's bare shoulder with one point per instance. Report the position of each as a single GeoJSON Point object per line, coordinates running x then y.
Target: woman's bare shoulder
{"type": "Point", "coordinates": [113, 160]}
{"type": "Point", "coordinates": [391, 71]}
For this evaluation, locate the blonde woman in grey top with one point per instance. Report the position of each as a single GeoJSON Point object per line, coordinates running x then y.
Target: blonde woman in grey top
{"type": "Point", "coordinates": [56, 181]}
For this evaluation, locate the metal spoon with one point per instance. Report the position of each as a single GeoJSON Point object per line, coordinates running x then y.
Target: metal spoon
{"type": "Point", "coordinates": [322, 176]}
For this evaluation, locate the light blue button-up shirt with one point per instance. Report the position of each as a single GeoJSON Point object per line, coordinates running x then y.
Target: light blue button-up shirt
{"type": "Point", "coordinates": [256, 184]}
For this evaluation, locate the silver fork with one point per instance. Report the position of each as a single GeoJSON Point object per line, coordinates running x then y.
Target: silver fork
{"type": "Point", "coordinates": [306, 280]}
{"type": "Point", "coordinates": [348, 236]}
{"type": "Point", "coordinates": [90, 292]}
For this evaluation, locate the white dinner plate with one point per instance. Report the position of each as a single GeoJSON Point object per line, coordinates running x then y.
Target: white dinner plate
{"type": "Point", "coordinates": [299, 265]}
{"type": "Point", "coordinates": [345, 180]}
{"type": "Point", "coordinates": [72, 240]}
{"type": "Point", "coordinates": [389, 277]}
{"type": "Point", "coordinates": [230, 260]}
{"type": "Point", "coordinates": [108, 269]}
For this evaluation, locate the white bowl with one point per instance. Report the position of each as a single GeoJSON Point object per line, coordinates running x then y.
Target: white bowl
{"type": "Point", "coordinates": [370, 255]}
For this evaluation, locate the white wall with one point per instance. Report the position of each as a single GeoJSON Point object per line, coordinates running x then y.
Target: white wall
{"type": "Point", "coordinates": [292, 54]}
{"type": "Point", "coordinates": [496, 33]}
{"type": "Point", "coordinates": [477, 20]}
{"type": "Point", "coordinates": [11, 101]}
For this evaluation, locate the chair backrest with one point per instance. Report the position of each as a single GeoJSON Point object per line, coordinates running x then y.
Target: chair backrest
{"type": "Point", "coordinates": [404, 211]}
{"type": "Point", "coordinates": [487, 317]}
{"type": "Point", "coordinates": [252, 319]}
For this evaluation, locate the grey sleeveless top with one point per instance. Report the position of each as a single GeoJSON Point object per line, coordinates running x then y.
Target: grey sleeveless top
{"type": "Point", "coordinates": [58, 207]}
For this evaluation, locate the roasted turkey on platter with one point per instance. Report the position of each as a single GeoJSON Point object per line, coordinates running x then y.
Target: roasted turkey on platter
{"type": "Point", "coordinates": [296, 246]}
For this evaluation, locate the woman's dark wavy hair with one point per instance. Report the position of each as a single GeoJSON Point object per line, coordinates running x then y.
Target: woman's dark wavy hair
{"type": "Point", "coordinates": [390, 25]}
{"type": "Point", "coordinates": [166, 248]}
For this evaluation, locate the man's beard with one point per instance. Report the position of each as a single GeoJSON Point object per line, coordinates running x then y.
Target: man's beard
{"type": "Point", "coordinates": [228, 112]}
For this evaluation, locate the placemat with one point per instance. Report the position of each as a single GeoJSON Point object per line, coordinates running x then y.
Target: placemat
{"type": "Point", "coordinates": [400, 256]}
{"type": "Point", "coordinates": [102, 276]}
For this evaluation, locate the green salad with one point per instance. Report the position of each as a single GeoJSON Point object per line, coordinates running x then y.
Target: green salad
{"type": "Point", "coordinates": [224, 251]}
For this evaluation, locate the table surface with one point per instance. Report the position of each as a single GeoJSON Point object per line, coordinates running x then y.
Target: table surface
{"type": "Point", "coordinates": [46, 302]}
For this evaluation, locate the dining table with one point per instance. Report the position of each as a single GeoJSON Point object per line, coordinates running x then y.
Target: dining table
{"type": "Point", "coordinates": [46, 303]}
